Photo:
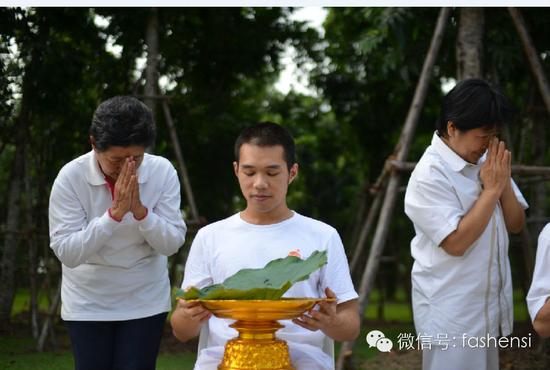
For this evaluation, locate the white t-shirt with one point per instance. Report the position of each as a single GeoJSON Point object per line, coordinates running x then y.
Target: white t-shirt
{"type": "Point", "coordinates": [452, 296]}
{"type": "Point", "coordinates": [112, 270]}
{"type": "Point", "coordinates": [225, 247]}
{"type": "Point", "coordinates": [540, 286]}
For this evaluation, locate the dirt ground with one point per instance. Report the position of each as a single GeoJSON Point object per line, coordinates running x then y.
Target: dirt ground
{"type": "Point", "coordinates": [412, 360]}
{"type": "Point", "coordinates": [535, 358]}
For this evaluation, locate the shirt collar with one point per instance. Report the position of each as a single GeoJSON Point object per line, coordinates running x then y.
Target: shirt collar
{"type": "Point", "coordinates": [95, 176]}
{"type": "Point", "coordinates": [93, 173]}
{"type": "Point", "coordinates": [455, 162]}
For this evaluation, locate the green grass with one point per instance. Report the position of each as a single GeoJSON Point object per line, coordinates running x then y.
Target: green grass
{"type": "Point", "coordinates": [19, 354]}
{"type": "Point", "coordinates": [399, 311]}
{"type": "Point", "coordinates": [22, 300]}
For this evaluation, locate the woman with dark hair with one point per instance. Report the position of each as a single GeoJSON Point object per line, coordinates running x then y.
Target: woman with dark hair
{"type": "Point", "coordinates": [463, 202]}
{"type": "Point", "coordinates": [114, 218]}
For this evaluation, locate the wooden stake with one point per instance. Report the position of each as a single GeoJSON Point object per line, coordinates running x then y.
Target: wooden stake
{"type": "Point", "coordinates": [365, 231]}
{"type": "Point", "coordinates": [532, 56]}
{"type": "Point", "coordinates": [181, 163]}
{"type": "Point", "coordinates": [48, 323]}
{"type": "Point", "coordinates": [517, 169]}
{"type": "Point", "coordinates": [402, 150]}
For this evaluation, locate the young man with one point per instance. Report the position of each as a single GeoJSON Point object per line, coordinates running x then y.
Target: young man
{"type": "Point", "coordinates": [267, 229]}
{"type": "Point", "coordinates": [463, 202]}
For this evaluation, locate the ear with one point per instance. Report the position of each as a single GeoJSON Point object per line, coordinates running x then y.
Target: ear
{"type": "Point", "coordinates": [451, 128]}
{"type": "Point", "coordinates": [92, 142]}
{"type": "Point", "coordinates": [293, 172]}
{"type": "Point", "coordinates": [236, 168]}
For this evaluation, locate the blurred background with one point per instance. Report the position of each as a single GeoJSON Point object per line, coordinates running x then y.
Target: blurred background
{"type": "Point", "coordinates": [340, 79]}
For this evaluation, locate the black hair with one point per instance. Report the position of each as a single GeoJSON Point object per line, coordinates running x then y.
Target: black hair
{"type": "Point", "coordinates": [122, 121]}
{"type": "Point", "coordinates": [268, 134]}
{"type": "Point", "coordinates": [473, 103]}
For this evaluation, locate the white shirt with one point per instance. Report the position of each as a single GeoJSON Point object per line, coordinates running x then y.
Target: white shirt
{"type": "Point", "coordinates": [540, 286]}
{"type": "Point", "coordinates": [112, 270]}
{"type": "Point", "coordinates": [223, 248]}
{"type": "Point", "coordinates": [452, 296]}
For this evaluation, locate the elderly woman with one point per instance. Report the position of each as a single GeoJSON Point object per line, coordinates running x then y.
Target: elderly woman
{"type": "Point", "coordinates": [114, 218]}
{"type": "Point", "coordinates": [463, 203]}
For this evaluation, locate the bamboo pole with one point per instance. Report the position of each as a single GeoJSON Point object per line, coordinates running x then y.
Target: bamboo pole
{"type": "Point", "coordinates": [402, 150]}
{"type": "Point", "coordinates": [517, 169]}
{"type": "Point", "coordinates": [532, 56]}
{"type": "Point", "coordinates": [48, 323]}
{"type": "Point", "coordinates": [181, 163]}
{"type": "Point", "coordinates": [365, 231]}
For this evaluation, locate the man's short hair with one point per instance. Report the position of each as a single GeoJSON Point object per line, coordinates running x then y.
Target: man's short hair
{"type": "Point", "coordinates": [473, 103]}
{"type": "Point", "coordinates": [268, 134]}
{"type": "Point", "coordinates": [122, 121]}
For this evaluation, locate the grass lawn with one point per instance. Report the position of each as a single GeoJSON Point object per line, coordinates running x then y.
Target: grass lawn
{"type": "Point", "coordinates": [18, 353]}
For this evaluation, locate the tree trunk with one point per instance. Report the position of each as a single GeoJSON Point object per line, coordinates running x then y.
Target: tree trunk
{"type": "Point", "coordinates": [32, 253]}
{"type": "Point", "coordinates": [539, 189]}
{"type": "Point", "coordinates": [151, 73]}
{"type": "Point", "coordinates": [469, 43]}
{"type": "Point", "coordinates": [8, 263]}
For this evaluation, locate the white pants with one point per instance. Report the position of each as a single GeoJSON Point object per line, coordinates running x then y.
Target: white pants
{"type": "Point", "coordinates": [210, 358]}
{"type": "Point", "coordinates": [460, 358]}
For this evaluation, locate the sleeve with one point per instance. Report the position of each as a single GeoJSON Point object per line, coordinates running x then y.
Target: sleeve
{"type": "Point", "coordinates": [72, 238]}
{"type": "Point", "coordinates": [433, 207]}
{"type": "Point", "coordinates": [335, 274]}
{"type": "Point", "coordinates": [519, 195]}
{"type": "Point", "coordinates": [163, 228]}
{"type": "Point", "coordinates": [197, 271]}
{"type": "Point", "coordinates": [539, 291]}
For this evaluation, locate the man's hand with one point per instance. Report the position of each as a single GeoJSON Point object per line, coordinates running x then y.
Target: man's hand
{"type": "Point", "coordinates": [187, 319]}
{"type": "Point", "coordinates": [324, 318]}
{"type": "Point", "coordinates": [192, 311]}
{"type": "Point", "coordinates": [122, 200]}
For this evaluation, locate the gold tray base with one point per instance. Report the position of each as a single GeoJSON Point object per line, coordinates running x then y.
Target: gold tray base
{"type": "Point", "coordinates": [256, 348]}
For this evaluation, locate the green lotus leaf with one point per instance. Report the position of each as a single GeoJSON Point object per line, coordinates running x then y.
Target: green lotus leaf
{"type": "Point", "coordinates": [270, 282]}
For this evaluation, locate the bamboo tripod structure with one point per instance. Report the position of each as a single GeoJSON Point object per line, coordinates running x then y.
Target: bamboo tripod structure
{"type": "Point", "coordinates": [387, 184]}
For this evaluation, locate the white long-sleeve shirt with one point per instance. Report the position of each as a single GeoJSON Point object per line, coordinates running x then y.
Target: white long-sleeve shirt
{"type": "Point", "coordinates": [114, 270]}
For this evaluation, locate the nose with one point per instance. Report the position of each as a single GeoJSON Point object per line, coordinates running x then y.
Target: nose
{"type": "Point", "coordinates": [260, 182]}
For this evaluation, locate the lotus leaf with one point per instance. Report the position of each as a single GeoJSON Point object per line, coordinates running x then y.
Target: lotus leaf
{"type": "Point", "coordinates": [270, 282]}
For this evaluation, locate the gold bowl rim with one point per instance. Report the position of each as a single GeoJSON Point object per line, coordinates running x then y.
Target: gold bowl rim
{"type": "Point", "coordinates": [260, 309]}
{"type": "Point", "coordinates": [289, 299]}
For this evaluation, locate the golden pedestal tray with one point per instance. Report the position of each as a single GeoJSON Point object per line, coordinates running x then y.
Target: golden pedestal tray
{"type": "Point", "coordinates": [257, 347]}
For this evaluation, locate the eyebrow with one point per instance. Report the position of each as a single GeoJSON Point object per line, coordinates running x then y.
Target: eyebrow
{"type": "Point", "coordinates": [272, 166]}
